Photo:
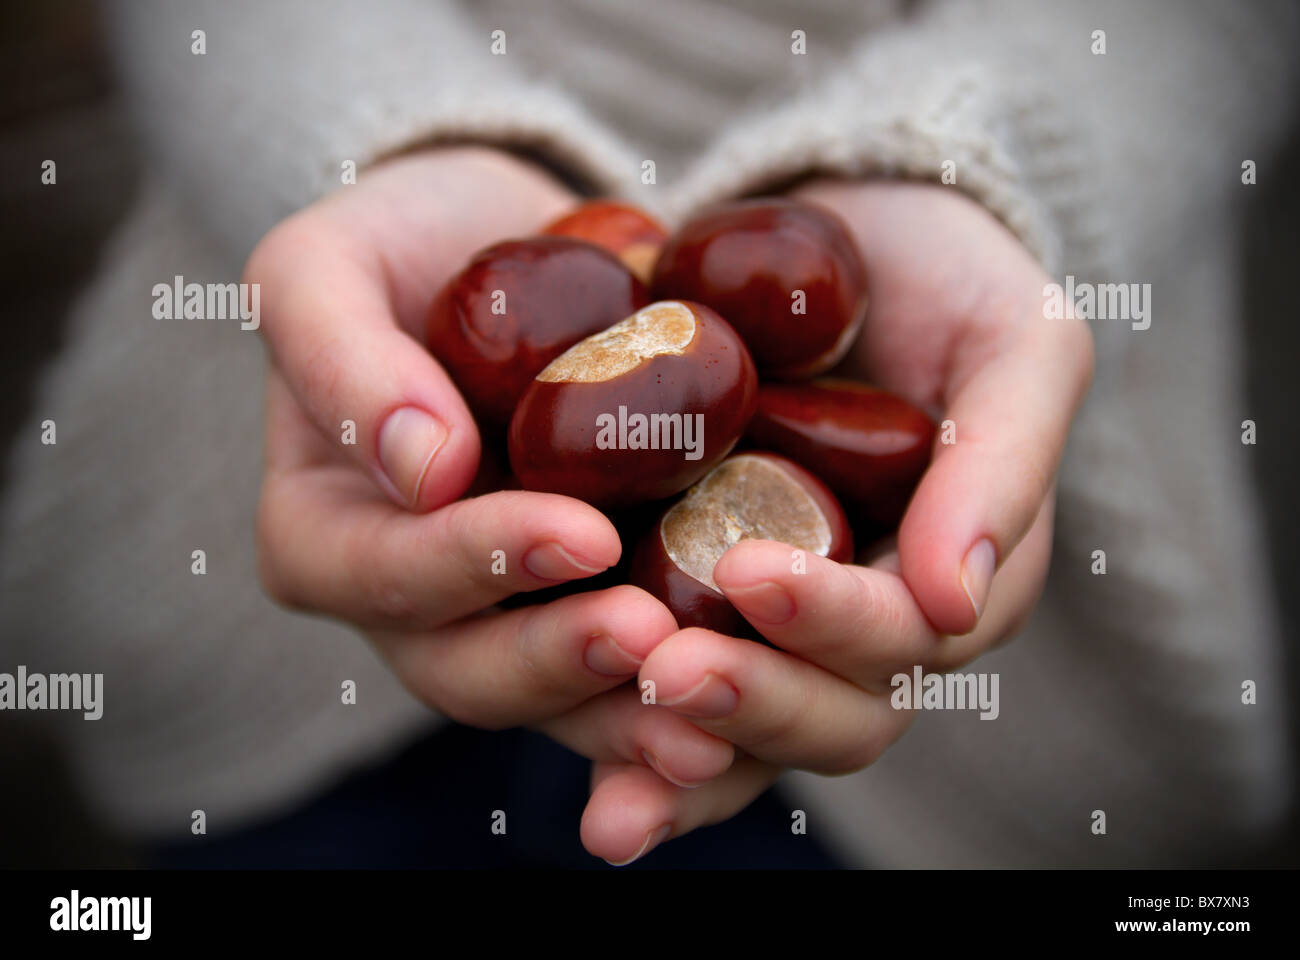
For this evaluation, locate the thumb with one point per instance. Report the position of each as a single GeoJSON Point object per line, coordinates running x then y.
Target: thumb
{"type": "Point", "coordinates": [363, 381]}
{"type": "Point", "coordinates": [996, 455]}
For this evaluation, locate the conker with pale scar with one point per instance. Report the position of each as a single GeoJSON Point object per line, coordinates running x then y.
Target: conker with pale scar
{"type": "Point", "coordinates": [869, 446]}
{"type": "Point", "coordinates": [787, 275]}
{"type": "Point", "coordinates": [516, 307]}
{"type": "Point", "coordinates": [637, 412]}
{"type": "Point", "coordinates": [630, 234]}
{"type": "Point", "coordinates": [749, 496]}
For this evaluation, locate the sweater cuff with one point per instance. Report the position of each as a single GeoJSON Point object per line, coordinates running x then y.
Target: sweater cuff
{"type": "Point", "coordinates": [540, 125]}
{"type": "Point", "coordinates": [915, 103]}
{"type": "Point", "coordinates": [262, 123]}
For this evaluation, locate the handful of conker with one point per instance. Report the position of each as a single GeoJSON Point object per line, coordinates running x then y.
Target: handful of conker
{"type": "Point", "coordinates": [627, 403]}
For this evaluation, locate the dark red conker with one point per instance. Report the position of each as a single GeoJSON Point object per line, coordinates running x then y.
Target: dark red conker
{"type": "Point", "coordinates": [625, 231]}
{"type": "Point", "coordinates": [869, 446]}
{"type": "Point", "coordinates": [516, 307]}
{"type": "Point", "coordinates": [637, 412]}
{"type": "Point", "coordinates": [759, 263]}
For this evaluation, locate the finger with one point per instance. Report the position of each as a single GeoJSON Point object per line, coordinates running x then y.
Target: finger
{"type": "Point", "coordinates": [330, 544]}
{"type": "Point", "coordinates": [526, 666]}
{"type": "Point", "coordinates": [631, 811]}
{"type": "Point", "coordinates": [363, 382]}
{"type": "Point", "coordinates": [861, 624]}
{"type": "Point", "coordinates": [289, 440]}
{"type": "Point", "coordinates": [979, 497]}
{"type": "Point", "coordinates": [1016, 589]}
{"type": "Point", "coordinates": [617, 727]}
{"type": "Point", "coordinates": [777, 707]}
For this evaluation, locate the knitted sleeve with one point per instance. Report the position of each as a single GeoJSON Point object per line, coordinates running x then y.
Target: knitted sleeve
{"type": "Point", "coordinates": [1083, 126]}
{"type": "Point", "coordinates": [251, 109]}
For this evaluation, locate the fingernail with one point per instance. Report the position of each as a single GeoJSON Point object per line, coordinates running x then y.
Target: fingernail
{"type": "Point", "coordinates": [657, 766]}
{"type": "Point", "coordinates": [652, 840]}
{"type": "Point", "coordinates": [550, 561]}
{"type": "Point", "coordinates": [767, 601]}
{"type": "Point", "coordinates": [408, 441]}
{"type": "Point", "coordinates": [711, 698]}
{"type": "Point", "coordinates": [977, 573]}
{"type": "Point", "coordinates": [607, 658]}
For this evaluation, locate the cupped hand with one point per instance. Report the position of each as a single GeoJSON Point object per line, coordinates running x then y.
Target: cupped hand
{"type": "Point", "coordinates": [955, 324]}
{"type": "Point", "coordinates": [368, 445]}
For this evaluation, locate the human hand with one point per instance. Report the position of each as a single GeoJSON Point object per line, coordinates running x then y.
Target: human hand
{"type": "Point", "coordinates": [372, 533]}
{"type": "Point", "coordinates": [956, 325]}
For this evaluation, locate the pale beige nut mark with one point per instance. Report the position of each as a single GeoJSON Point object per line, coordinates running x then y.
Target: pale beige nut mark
{"type": "Point", "coordinates": [746, 498]}
{"type": "Point", "coordinates": [663, 328]}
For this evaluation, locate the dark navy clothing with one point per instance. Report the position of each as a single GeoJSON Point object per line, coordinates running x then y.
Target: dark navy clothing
{"type": "Point", "coordinates": [431, 807]}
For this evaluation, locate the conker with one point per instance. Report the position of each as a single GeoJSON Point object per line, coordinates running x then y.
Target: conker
{"type": "Point", "coordinates": [637, 412]}
{"type": "Point", "coordinates": [629, 233]}
{"type": "Point", "coordinates": [869, 446]}
{"type": "Point", "coordinates": [516, 307]}
{"type": "Point", "coordinates": [759, 496]}
{"type": "Point", "coordinates": [786, 275]}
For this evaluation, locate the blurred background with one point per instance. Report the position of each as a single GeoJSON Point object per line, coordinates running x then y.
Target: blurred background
{"type": "Point", "coordinates": [58, 98]}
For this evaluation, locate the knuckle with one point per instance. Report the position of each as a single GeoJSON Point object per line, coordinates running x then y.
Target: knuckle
{"type": "Point", "coordinates": [462, 535]}
{"type": "Point", "coordinates": [322, 373]}
{"type": "Point", "coordinates": [851, 760]}
{"type": "Point", "coordinates": [781, 727]}
{"type": "Point", "coordinates": [542, 674]}
{"type": "Point", "coordinates": [857, 753]}
{"type": "Point", "coordinates": [875, 623]}
{"type": "Point", "coordinates": [271, 573]}
{"type": "Point", "coordinates": [433, 680]}
{"type": "Point", "coordinates": [385, 591]}
{"type": "Point", "coordinates": [388, 599]}
{"type": "Point", "coordinates": [459, 706]}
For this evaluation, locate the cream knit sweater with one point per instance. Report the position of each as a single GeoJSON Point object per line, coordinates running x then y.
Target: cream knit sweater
{"type": "Point", "coordinates": [1123, 694]}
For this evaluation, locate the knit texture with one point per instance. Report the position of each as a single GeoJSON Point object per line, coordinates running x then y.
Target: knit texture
{"type": "Point", "coordinates": [1124, 692]}
{"type": "Point", "coordinates": [260, 125]}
